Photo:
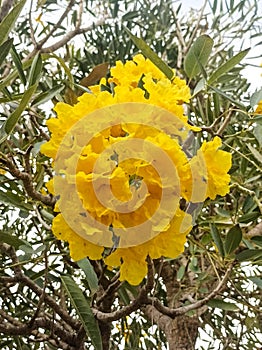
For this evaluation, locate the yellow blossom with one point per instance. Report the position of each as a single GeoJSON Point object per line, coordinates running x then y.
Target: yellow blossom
{"type": "Point", "coordinates": [210, 171]}
{"type": "Point", "coordinates": [121, 171]}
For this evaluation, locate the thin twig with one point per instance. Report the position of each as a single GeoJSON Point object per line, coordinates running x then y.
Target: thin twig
{"type": "Point", "coordinates": [70, 35]}
{"type": "Point", "coordinates": [189, 44]}
{"type": "Point", "coordinates": [28, 183]}
{"type": "Point", "coordinates": [42, 297]}
{"type": "Point", "coordinates": [39, 217]}
{"type": "Point", "coordinates": [124, 311]}
{"type": "Point", "coordinates": [113, 286]}
{"type": "Point", "coordinates": [80, 14]}
{"type": "Point", "coordinates": [9, 250]}
{"type": "Point", "coordinates": [32, 36]}
{"type": "Point", "coordinates": [225, 123]}
{"type": "Point", "coordinates": [57, 25]}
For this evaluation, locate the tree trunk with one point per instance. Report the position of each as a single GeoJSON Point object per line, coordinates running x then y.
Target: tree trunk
{"type": "Point", "coordinates": [181, 333]}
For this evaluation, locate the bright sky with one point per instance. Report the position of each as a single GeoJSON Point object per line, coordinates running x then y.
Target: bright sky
{"type": "Point", "coordinates": [253, 72]}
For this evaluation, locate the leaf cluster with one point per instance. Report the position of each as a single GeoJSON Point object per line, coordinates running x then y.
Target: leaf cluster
{"type": "Point", "coordinates": [46, 299]}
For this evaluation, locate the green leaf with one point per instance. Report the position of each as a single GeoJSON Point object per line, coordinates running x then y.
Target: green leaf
{"type": "Point", "coordinates": [35, 71]}
{"type": "Point", "coordinates": [150, 54]}
{"type": "Point", "coordinates": [4, 50]}
{"type": "Point", "coordinates": [83, 310]}
{"type": "Point", "coordinates": [217, 239]}
{"type": "Point", "coordinates": [198, 55]}
{"type": "Point", "coordinates": [249, 217]}
{"type": "Point", "coordinates": [257, 240]}
{"type": "Point", "coordinates": [91, 276]}
{"type": "Point", "coordinates": [256, 280]}
{"type": "Point", "coordinates": [9, 21]}
{"type": "Point", "coordinates": [233, 239]}
{"type": "Point", "coordinates": [63, 64]}
{"type": "Point", "coordinates": [14, 200]}
{"type": "Point", "coordinates": [255, 153]}
{"type": "Point", "coordinates": [257, 131]}
{"type": "Point", "coordinates": [12, 240]}
{"type": "Point", "coordinates": [18, 64]}
{"type": "Point", "coordinates": [249, 255]}
{"type": "Point", "coordinates": [231, 99]}
{"type": "Point", "coordinates": [130, 15]}
{"type": "Point", "coordinates": [12, 76]}
{"type": "Point", "coordinates": [10, 123]}
{"type": "Point", "coordinates": [47, 95]}
{"type": "Point", "coordinates": [123, 295]}
{"type": "Point", "coordinates": [223, 305]}
{"type": "Point", "coordinates": [227, 66]}
{"type": "Point", "coordinates": [199, 86]}
{"type": "Point", "coordinates": [181, 272]}
{"type": "Point", "coordinates": [255, 98]}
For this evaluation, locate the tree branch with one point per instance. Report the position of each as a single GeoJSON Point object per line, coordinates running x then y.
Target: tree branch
{"type": "Point", "coordinates": [28, 183]}
{"type": "Point", "coordinates": [70, 35]}
{"type": "Point", "coordinates": [57, 25]}
{"type": "Point", "coordinates": [124, 311]}
{"type": "Point", "coordinates": [184, 309]}
{"type": "Point", "coordinates": [57, 337]}
{"type": "Point", "coordinates": [20, 277]}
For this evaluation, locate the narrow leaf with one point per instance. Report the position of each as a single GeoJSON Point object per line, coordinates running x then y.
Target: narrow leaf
{"type": "Point", "coordinates": [223, 305]}
{"type": "Point", "coordinates": [66, 69]}
{"type": "Point", "coordinates": [255, 153]}
{"type": "Point", "coordinates": [227, 66]}
{"type": "Point", "coordinates": [249, 217]}
{"type": "Point", "coordinates": [123, 295]}
{"type": "Point", "coordinates": [35, 71]}
{"type": "Point", "coordinates": [84, 311]}
{"type": "Point", "coordinates": [150, 54]}
{"type": "Point", "coordinates": [256, 98]}
{"type": "Point", "coordinates": [257, 131]}
{"type": "Point", "coordinates": [217, 239]}
{"type": "Point", "coordinates": [257, 240]}
{"type": "Point", "coordinates": [91, 276]}
{"type": "Point", "coordinates": [9, 21]}
{"type": "Point", "coordinates": [249, 255]}
{"type": "Point", "coordinates": [10, 123]}
{"type": "Point", "coordinates": [181, 272]}
{"type": "Point", "coordinates": [231, 99]}
{"type": "Point", "coordinates": [233, 239]}
{"type": "Point", "coordinates": [47, 95]}
{"type": "Point", "coordinates": [198, 55]}
{"type": "Point", "coordinates": [15, 200]}
{"type": "Point", "coordinates": [4, 50]}
{"type": "Point", "coordinates": [18, 64]}
{"type": "Point", "coordinates": [199, 86]}
{"type": "Point", "coordinates": [12, 240]}
{"type": "Point", "coordinates": [12, 76]}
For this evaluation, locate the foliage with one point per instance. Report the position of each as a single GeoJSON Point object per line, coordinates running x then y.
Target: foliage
{"type": "Point", "coordinates": [49, 301]}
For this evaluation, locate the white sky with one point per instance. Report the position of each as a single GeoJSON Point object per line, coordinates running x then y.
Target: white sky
{"type": "Point", "coordinates": [253, 73]}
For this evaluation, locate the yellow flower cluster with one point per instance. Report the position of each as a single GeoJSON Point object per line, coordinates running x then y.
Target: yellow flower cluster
{"type": "Point", "coordinates": [119, 161]}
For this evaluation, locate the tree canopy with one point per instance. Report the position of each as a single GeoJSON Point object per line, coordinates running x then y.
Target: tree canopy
{"type": "Point", "coordinates": [164, 92]}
